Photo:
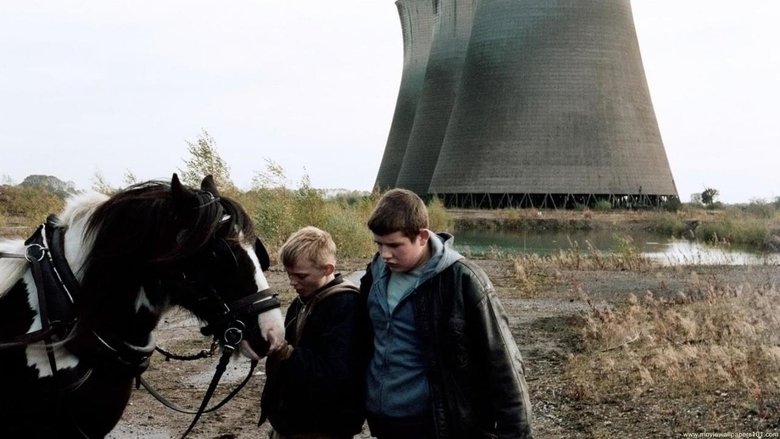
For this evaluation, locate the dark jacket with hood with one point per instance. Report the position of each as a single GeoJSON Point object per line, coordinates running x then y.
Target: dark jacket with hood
{"type": "Point", "coordinates": [473, 371]}
{"type": "Point", "coordinates": [319, 388]}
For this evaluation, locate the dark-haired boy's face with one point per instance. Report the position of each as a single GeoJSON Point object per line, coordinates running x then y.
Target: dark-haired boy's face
{"type": "Point", "coordinates": [400, 253]}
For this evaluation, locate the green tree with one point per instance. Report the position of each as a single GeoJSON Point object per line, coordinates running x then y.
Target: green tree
{"type": "Point", "coordinates": [708, 197]}
{"type": "Point", "coordinates": [204, 160]}
{"type": "Point", "coordinates": [101, 184]}
{"type": "Point", "coordinates": [274, 176]}
{"type": "Point", "coordinates": [129, 178]}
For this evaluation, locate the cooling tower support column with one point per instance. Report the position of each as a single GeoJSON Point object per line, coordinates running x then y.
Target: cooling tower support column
{"type": "Point", "coordinates": [417, 19]}
{"type": "Point", "coordinates": [442, 75]}
{"type": "Point", "coordinates": [553, 104]}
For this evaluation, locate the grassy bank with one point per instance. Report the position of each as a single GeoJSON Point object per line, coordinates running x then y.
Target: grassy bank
{"type": "Point", "coordinates": [277, 213]}
{"type": "Point", "coordinates": [756, 225]}
{"type": "Point", "coordinates": [280, 211]}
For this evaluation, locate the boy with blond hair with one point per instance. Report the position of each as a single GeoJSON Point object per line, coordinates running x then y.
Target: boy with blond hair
{"type": "Point", "coordinates": [314, 386]}
{"type": "Point", "coordinates": [442, 363]}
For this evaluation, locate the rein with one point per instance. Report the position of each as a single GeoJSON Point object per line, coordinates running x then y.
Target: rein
{"type": "Point", "coordinates": [231, 336]}
{"type": "Point", "coordinates": [231, 339]}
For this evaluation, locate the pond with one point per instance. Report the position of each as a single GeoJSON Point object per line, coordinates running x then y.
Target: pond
{"type": "Point", "coordinates": [663, 249]}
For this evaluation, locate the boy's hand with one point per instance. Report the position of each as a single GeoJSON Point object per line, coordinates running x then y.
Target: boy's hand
{"type": "Point", "coordinates": [282, 353]}
{"type": "Point", "coordinates": [276, 341]}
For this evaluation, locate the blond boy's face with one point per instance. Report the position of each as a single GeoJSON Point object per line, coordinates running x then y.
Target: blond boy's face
{"type": "Point", "coordinates": [306, 277]}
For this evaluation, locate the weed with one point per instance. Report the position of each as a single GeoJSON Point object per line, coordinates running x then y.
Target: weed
{"type": "Point", "coordinates": [709, 339]}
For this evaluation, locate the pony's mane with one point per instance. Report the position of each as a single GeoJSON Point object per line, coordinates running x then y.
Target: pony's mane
{"type": "Point", "coordinates": [79, 207]}
{"type": "Point", "coordinates": [144, 218]}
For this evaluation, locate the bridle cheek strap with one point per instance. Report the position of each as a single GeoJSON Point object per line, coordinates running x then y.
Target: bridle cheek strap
{"type": "Point", "coordinates": [237, 314]}
{"type": "Point", "coordinates": [256, 303]}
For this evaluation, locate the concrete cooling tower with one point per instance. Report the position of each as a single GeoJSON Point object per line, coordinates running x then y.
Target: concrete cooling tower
{"type": "Point", "coordinates": [551, 109]}
{"type": "Point", "coordinates": [417, 21]}
{"type": "Point", "coordinates": [442, 76]}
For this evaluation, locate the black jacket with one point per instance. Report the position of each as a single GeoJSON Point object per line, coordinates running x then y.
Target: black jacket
{"type": "Point", "coordinates": [319, 389]}
{"type": "Point", "coordinates": [474, 367]}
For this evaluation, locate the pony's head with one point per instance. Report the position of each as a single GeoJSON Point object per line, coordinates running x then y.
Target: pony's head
{"type": "Point", "coordinates": [177, 246]}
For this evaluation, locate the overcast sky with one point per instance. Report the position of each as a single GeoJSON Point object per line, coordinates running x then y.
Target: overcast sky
{"type": "Point", "coordinates": [97, 86]}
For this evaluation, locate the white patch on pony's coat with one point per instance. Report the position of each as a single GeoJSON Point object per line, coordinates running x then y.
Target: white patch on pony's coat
{"type": "Point", "coordinates": [36, 352]}
{"type": "Point", "coordinates": [36, 357]}
{"type": "Point", "coordinates": [11, 269]}
{"type": "Point", "coordinates": [260, 280]}
{"type": "Point", "coordinates": [32, 300]}
{"type": "Point", "coordinates": [142, 300]}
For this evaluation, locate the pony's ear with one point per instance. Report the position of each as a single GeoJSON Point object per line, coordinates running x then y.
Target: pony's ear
{"type": "Point", "coordinates": [183, 199]}
{"type": "Point", "coordinates": [176, 188]}
{"type": "Point", "coordinates": [209, 185]}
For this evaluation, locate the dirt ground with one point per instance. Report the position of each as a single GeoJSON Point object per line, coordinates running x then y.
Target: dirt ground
{"type": "Point", "coordinates": [540, 324]}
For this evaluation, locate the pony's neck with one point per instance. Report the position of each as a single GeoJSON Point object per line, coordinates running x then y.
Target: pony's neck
{"type": "Point", "coordinates": [135, 319]}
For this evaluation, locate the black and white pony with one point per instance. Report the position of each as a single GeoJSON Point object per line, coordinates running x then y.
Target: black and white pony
{"type": "Point", "coordinates": [80, 298]}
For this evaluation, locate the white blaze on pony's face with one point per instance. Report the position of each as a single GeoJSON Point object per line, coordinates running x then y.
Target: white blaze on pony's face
{"type": "Point", "coordinates": [271, 322]}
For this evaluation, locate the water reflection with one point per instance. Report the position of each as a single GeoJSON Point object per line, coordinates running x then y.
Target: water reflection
{"type": "Point", "coordinates": [693, 253]}
{"type": "Point", "coordinates": [664, 250]}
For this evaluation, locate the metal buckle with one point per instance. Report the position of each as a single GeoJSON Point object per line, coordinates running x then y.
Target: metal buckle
{"type": "Point", "coordinates": [31, 257]}
{"type": "Point", "coordinates": [233, 336]}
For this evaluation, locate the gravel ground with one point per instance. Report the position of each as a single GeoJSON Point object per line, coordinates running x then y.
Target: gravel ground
{"type": "Point", "coordinates": [539, 321]}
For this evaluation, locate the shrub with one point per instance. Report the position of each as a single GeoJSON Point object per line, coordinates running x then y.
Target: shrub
{"type": "Point", "coordinates": [667, 224]}
{"type": "Point", "coordinates": [439, 218]}
{"type": "Point", "coordinates": [730, 230]}
{"type": "Point", "coordinates": [602, 205]}
{"type": "Point", "coordinates": [673, 204]}
{"type": "Point", "coordinates": [29, 205]}
{"type": "Point", "coordinates": [760, 209]}
{"type": "Point", "coordinates": [347, 225]}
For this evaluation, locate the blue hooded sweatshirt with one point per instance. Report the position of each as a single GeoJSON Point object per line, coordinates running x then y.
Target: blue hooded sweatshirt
{"type": "Point", "coordinates": [397, 384]}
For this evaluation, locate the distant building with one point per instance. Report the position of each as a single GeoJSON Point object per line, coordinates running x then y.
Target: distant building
{"type": "Point", "coordinates": [526, 103]}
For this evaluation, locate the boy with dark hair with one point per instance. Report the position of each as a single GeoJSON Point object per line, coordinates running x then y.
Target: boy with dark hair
{"type": "Point", "coordinates": [442, 362]}
{"type": "Point", "coordinates": [314, 388]}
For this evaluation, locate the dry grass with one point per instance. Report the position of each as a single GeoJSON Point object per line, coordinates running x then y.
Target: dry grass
{"type": "Point", "coordinates": [710, 340]}
{"type": "Point", "coordinates": [586, 257]}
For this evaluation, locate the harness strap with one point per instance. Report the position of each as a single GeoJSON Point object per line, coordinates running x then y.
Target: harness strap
{"type": "Point", "coordinates": [54, 281]}
{"type": "Point", "coordinates": [43, 310]}
{"type": "Point", "coordinates": [11, 255]}
{"type": "Point", "coordinates": [231, 341]}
